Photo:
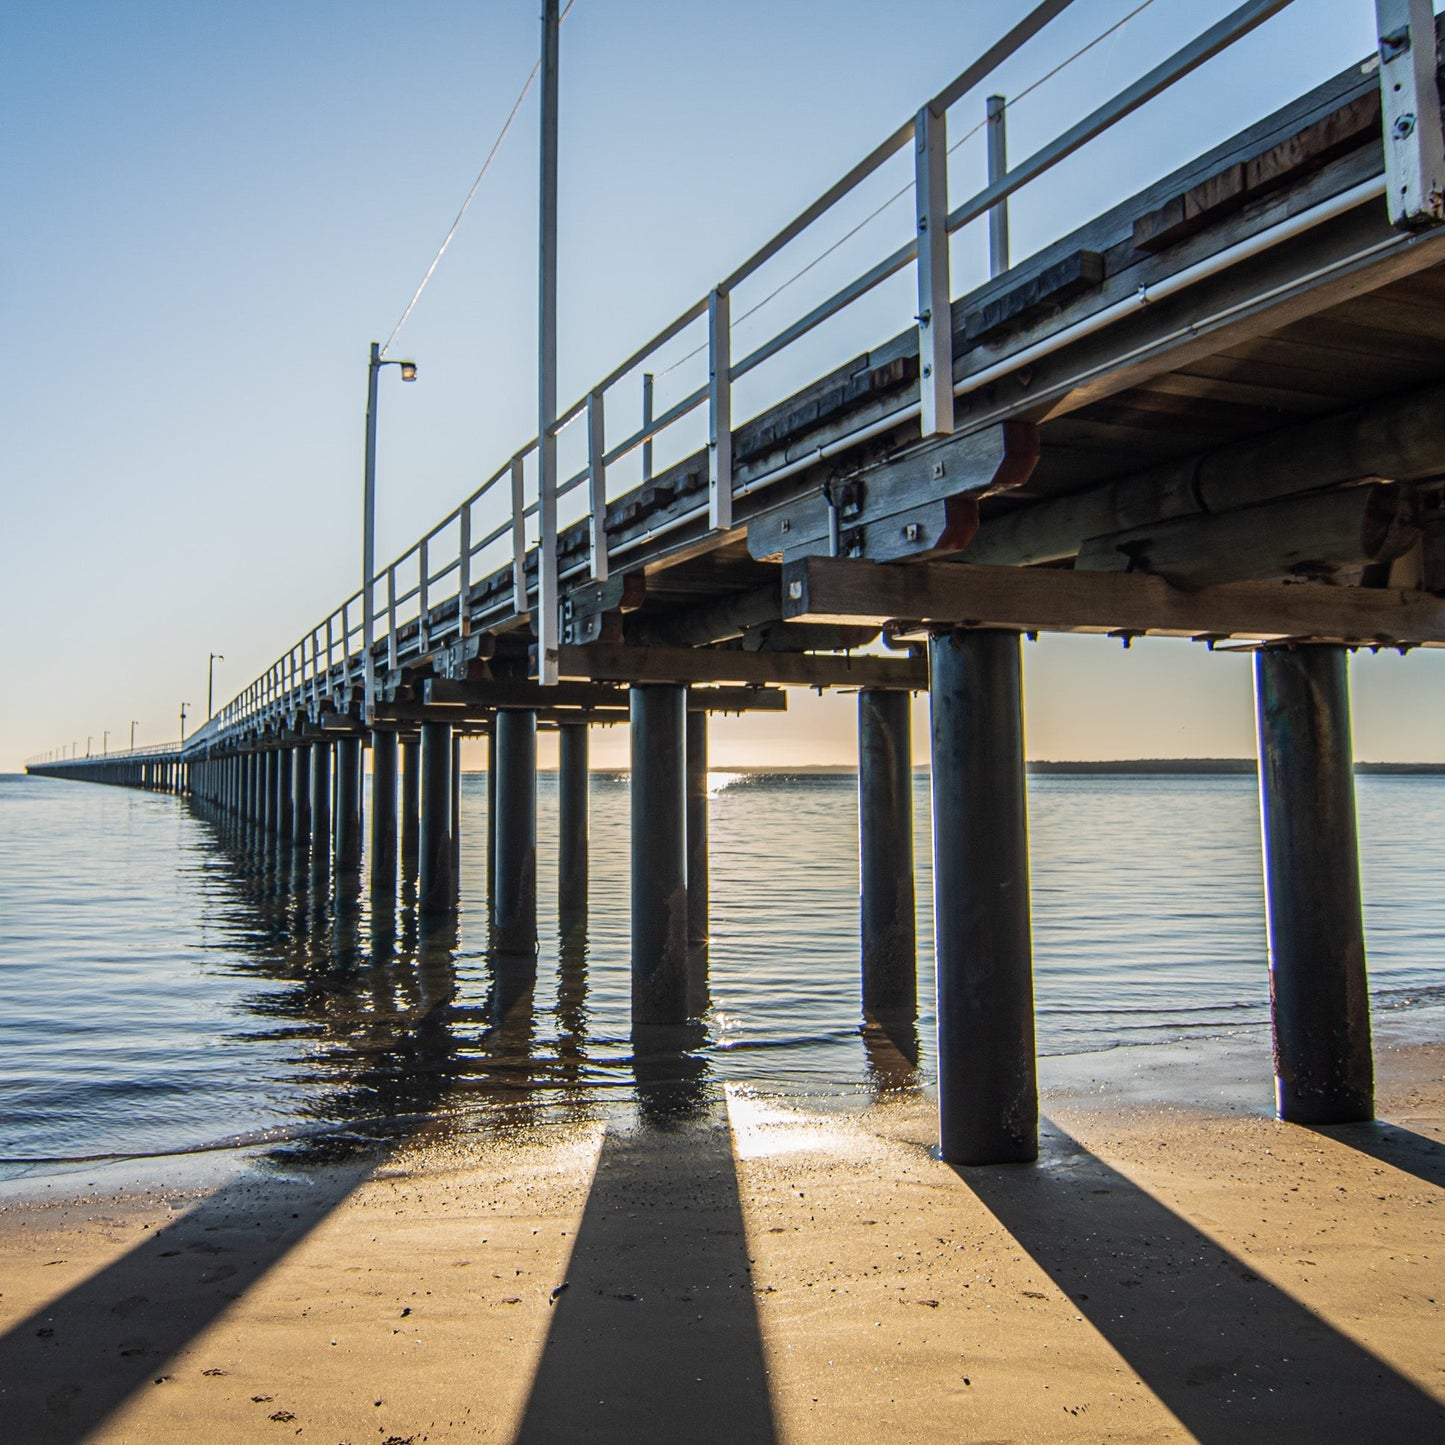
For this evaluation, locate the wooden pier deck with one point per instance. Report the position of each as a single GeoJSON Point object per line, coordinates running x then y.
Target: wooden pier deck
{"type": "Point", "coordinates": [1210, 412]}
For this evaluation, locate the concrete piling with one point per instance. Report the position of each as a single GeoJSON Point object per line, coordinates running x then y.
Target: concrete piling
{"type": "Point", "coordinates": [1319, 995]}
{"type": "Point", "coordinates": [987, 1081]}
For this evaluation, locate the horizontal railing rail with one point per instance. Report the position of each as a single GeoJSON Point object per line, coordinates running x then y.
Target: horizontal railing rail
{"type": "Point", "coordinates": [424, 594]}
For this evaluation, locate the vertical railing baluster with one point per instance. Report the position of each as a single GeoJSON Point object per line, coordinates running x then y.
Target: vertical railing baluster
{"type": "Point", "coordinates": [391, 618]}
{"type": "Point", "coordinates": [719, 412]}
{"type": "Point", "coordinates": [997, 134]}
{"type": "Point", "coordinates": [464, 578]}
{"type": "Point", "coordinates": [520, 602]}
{"type": "Point", "coordinates": [423, 586]}
{"type": "Point", "coordinates": [597, 484]}
{"type": "Point", "coordinates": [935, 322]}
{"type": "Point", "coordinates": [646, 424]}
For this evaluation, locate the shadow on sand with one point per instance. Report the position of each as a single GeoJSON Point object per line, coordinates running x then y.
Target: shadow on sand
{"type": "Point", "coordinates": [1235, 1358]}
{"type": "Point", "coordinates": [656, 1337]}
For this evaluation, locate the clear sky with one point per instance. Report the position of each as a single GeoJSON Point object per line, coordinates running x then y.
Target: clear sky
{"type": "Point", "coordinates": [211, 210]}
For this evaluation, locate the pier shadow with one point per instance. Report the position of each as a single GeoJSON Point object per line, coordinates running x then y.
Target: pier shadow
{"type": "Point", "coordinates": [656, 1336]}
{"type": "Point", "coordinates": [378, 1050]}
{"type": "Point", "coordinates": [69, 1365]}
{"type": "Point", "coordinates": [1394, 1145]}
{"type": "Point", "coordinates": [1234, 1358]}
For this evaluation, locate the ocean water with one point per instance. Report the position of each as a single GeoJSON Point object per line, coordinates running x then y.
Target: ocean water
{"type": "Point", "coordinates": [168, 982]}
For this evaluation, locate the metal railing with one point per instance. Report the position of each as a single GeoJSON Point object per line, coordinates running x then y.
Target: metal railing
{"type": "Point", "coordinates": [417, 588]}
{"type": "Point", "coordinates": [124, 755]}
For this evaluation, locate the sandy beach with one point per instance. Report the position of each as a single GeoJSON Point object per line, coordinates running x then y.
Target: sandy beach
{"type": "Point", "coordinates": [719, 1264]}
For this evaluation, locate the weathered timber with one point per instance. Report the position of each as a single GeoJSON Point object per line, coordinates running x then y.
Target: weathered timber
{"type": "Point", "coordinates": [514, 894]}
{"type": "Point", "coordinates": [885, 857]}
{"type": "Point", "coordinates": [685, 665]}
{"type": "Point", "coordinates": [659, 855]}
{"type": "Point", "coordinates": [572, 798]}
{"type": "Point", "coordinates": [1319, 994]}
{"type": "Point", "coordinates": [436, 880]}
{"type": "Point", "coordinates": [987, 1082]}
{"type": "Point", "coordinates": [383, 820]}
{"type": "Point", "coordinates": [1216, 196]}
{"type": "Point", "coordinates": [709, 622]}
{"type": "Point", "coordinates": [348, 804]}
{"type": "Point", "coordinates": [841, 519]}
{"type": "Point", "coordinates": [1399, 439]}
{"type": "Point", "coordinates": [1046, 599]}
{"type": "Point", "coordinates": [439, 694]}
{"type": "Point", "coordinates": [698, 924]}
{"type": "Point", "coordinates": [1305, 536]}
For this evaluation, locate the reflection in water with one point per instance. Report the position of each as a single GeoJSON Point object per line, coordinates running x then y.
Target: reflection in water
{"type": "Point", "coordinates": [892, 1049]}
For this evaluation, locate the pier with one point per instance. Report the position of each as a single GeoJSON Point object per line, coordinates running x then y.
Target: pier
{"type": "Point", "coordinates": [1211, 412]}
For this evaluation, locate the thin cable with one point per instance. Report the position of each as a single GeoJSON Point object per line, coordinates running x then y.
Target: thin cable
{"type": "Point", "coordinates": [899, 194]}
{"type": "Point", "coordinates": [471, 194]}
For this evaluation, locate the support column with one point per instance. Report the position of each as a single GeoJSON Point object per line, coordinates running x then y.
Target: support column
{"type": "Point", "coordinates": [514, 896]}
{"type": "Point", "coordinates": [436, 885]}
{"type": "Point", "coordinates": [301, 796]}
{"type": "Point", "coordinates": [271, 797]}
{"type": "Point", "coordinates": [987, 1079]}
{"type": "Point", "coordinates": [572, 781]}
{"type": "Point", "coordinates": [285, 807]}
{"type": "Point", "coordinates": [1319, 997]}
{"type": "Point", "coordinates": [410, 804]}
{"type": "Point", "coordinates": [885, 856]}
{"type": "Point", "coordinates": [698, 928]}
{"type": "Point", "coordinates": [321, 806]}
{"type": "Point", "coordinates": [491, 814]}
{"type": "Point", "coordinates": [383, 817]}
{"type": "Point", "coordinates": [348, 804]}
{"type": "Point", "coordinates": [659, 855]}
{"type": "Point", "coordinates": [457, 811]}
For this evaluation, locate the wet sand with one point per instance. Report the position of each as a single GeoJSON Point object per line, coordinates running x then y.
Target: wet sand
{"type": "Point", "coordinates": [714, 1265]}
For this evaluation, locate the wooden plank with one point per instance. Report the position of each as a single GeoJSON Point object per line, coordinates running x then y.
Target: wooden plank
{"type": "Point", "coordinates": [1045, 599]}
{"type": "Point", "coordinates": [1308, 536]}
{"type": "Point", "coordinates": [688, 665]}
{"type": "Point", "coordinates": [438, 694]}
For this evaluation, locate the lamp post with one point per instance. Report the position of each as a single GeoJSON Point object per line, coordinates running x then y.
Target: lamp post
{"type": "Point", "coordinates": [88, 742]}
{"type": "Point", "coordinates": [133, 727]}
{"type": "Point", "coordinates": [210, 680]}
{"type": "Point", "coordinates": [368, 517]}
{"type": "Point", "coordinates": [184, 706]}
{"type": "Point", "coordinates": [105, 742]}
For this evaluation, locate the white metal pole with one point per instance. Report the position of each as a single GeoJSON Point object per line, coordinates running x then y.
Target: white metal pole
{"type": "Point", "coordinates": [548, 602]}
{"type": "Point", "coordinates": [368, 532]}
{"type": "Point", "coordinates": [997, 169]}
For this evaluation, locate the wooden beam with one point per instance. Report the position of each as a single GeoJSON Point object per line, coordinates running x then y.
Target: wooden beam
{"type": "Point", "coordinates": [687, 665]}
{"type": "Point", "coordinates": [1300, 536]}
{"type": "Point", "coordinates": [1400, 439]}
{"type": "Point", "coordinates": [439, 696]}
{"type": "Point", "coordinates": [1036, 599]}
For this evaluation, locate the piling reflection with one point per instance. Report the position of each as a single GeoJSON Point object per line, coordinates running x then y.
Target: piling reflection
{"type": "Point", "coordinates": [891, 1050]}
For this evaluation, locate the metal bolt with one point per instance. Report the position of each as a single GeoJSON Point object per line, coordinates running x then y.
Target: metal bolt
{"type": "Point", "coordinates": [937, 470]}
{"type": "Point", "coordinates": [795, 591]}
{"type": "Point", "coordinates": [787, 524]}
{"type": "Point", "coordinates": [910, 532]}
{"type": "Point", "coordinates": [1404, 126]}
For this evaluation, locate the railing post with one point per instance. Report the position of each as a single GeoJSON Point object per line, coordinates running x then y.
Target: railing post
{"type": "Point", "coordinates": [935, 325]}
{"type": "Point", "coordinates": [1410, 100]}
{"type": "Point", "coordinates": [997, 135]}
{"type": "Point", "coordinates": [520, 602]}
{"type": "Point", "coordinates": [464, 571]}
{"type": "Point", "coordinates": [646, 423]}
{"type": "Point", "coordinates": [391, 618]}
{"type": "Point", "coordinates": [719, 412]}
{"type": "Point", "coordinates": [597, 484]}
{"type": "Point", "coordinates": [422, 585]}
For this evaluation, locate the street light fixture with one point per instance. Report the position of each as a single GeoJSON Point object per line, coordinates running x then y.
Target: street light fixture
{"type": "Point", "coordinates": [133, 727]}
{"type": "Point", "coordinates": [105, 742]}
{"type": "Point", "coordinates": [210, 677]}
{"type": "Point", "coordinates": [368, 517]}
{"type": "Point", "coordinates": [184, 706]}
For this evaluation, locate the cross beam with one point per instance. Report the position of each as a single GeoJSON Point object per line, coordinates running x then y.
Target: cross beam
{"type": "Point", "coordinates": [439, 694]}
{"type": "Point", "coordinates": [1035, 599]}
{"type": "Point", "coordinates": [620, 663]}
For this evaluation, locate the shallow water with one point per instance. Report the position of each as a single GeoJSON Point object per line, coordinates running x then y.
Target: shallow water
{"type": "Point", "coordinates": [166, 983]}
